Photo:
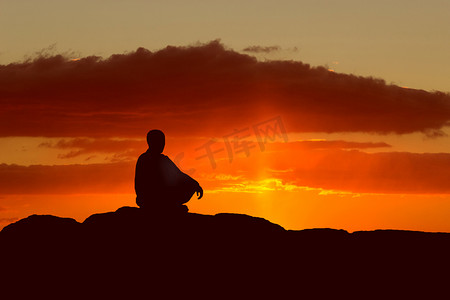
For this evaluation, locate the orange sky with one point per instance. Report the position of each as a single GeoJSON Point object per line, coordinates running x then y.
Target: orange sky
{"type": "Point", "coordinates": [301, 146]}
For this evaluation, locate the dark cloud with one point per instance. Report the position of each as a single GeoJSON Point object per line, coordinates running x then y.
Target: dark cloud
{"type": "Point", "coordinates": [407, 173]}
{"type": "Point", "coordinates": [131, 149]}
{"type": "Point", "coordinates": [67, 179]}
{"type": "Point", "coordinates": [126, 148]}
{"type": "Point", "coordinates": [262, 49]}
{"type": "Point", "coordinates": [357, 171]}
{"type": "Point", "coordinates": [337, 145]}
{"type": "Point", "coordinates": [330, 168]}
{"type": "Point", "coordinates": [341, 167]}
{"type": "Point", "coordinates": [202, 90]}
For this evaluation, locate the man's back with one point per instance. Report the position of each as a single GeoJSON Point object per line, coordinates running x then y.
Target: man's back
{"type": "Point", "coordinates": [159, 182]}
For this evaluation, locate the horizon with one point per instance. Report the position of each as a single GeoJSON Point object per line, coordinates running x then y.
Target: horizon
{"type": "Point", "coordinates": [280, 128]}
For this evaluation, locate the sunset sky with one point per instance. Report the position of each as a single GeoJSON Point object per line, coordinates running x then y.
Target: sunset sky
{"type": "Point", "coordinates": [306, 113]}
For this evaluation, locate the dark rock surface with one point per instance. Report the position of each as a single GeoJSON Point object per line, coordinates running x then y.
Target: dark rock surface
{"type": "Point", "coordinates": [132, 253]}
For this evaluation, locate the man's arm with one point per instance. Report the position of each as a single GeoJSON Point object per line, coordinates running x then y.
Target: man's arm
{"type": "Point", "coordinates": [185, 177]}
{"type": "Point", "coordinates": [199, 192]}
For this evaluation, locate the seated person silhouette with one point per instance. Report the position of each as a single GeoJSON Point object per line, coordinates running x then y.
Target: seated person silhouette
{"type": "Point", "coordinates": [160, 186]}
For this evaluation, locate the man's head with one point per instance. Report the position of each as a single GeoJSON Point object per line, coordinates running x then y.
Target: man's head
{"type": "Point", "coordinates": [156, 141]}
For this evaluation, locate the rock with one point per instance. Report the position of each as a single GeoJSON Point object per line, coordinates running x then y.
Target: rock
{"type": "Point", "coordinates": [40, 227]}
{"type": "Point", "coordinates": [248, 257]}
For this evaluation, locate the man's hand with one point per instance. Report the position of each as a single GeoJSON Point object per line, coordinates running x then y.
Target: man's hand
{"type": "Point", "coordinates": [199, 192]}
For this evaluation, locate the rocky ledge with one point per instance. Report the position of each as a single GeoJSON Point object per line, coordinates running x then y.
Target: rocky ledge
{"type": "Point", "coordinates": [225, 254]}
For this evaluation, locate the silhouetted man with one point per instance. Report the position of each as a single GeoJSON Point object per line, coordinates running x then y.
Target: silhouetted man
{"type": "Point", "coordinates": [159, 184]}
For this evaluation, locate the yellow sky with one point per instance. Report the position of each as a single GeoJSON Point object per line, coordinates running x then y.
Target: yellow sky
{"type": "Point", "coordinates": [403, 41]}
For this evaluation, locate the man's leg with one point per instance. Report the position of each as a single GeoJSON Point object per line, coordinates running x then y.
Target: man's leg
{"type": "Point", "coordinates": [181, 194]}
{"type": "Point", "coordinates": [140, 202]}
{"type": "Point", "coordinates": [186, 192]}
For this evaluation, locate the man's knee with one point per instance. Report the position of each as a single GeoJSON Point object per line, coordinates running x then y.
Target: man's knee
{"type": "Point", "coordinates": [139, 202]}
